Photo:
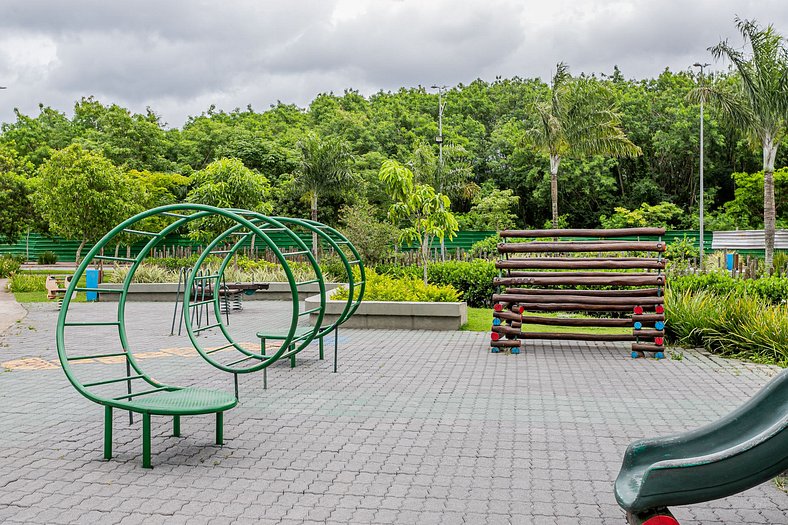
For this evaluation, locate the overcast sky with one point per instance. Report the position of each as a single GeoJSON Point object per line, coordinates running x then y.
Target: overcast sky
{"type": "Point", "coordinates": [180, 56]}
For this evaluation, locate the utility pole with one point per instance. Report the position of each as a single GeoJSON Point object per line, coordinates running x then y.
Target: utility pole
{"type": "Point", "coordinates": [700, 80]}
{"type": "Point", "coordinates": [439, 140]}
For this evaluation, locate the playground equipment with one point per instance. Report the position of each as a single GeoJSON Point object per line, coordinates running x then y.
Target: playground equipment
{"type": "Point", "coordinates": [745, 448]}
{"type": "Point", "coordinates": [554, 276]}
{"type": "Point", "coordinates": [129, 387]}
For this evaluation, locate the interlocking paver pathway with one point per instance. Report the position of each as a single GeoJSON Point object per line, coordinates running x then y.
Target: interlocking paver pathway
{"type": "Point", "coordinates": [417, 427]}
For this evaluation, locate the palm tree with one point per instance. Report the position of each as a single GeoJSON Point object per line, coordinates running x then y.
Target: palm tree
{"type": "Point", "coordinates": [577, 119]}
{"type": "Point", "coordinates": [325, 169]}
{"type": "Point", "coordinates": [758, 103]}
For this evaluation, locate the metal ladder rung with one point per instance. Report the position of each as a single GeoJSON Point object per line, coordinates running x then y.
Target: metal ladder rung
{"type": "Point", "coordinates": [171, 214]}
{"type": "Point", "coordinates": [92, 323]}
{"type": "Point", "coordinates": [206, 327]}
{"type": "Point", "coordinates": [310, 311]}
{"type": "Point", "coordinates": [110, 258]}
{"type": "Point", "coordinates": [109, 381]}
{"type": "Point", "coordinates": [214, 350]}
{"type": "Point", "coordinates": [200, 303]}
{"type": "Point", "coordinates": [354, 261]}
{"type": "Point", "coordinates": [241, 233]}
{"type": "Point", "coordinates": [203, 277]}
{"type": "Point", "coordinates": [288, 254]}
{"type": "Point", "coordinates": [308, 282]}
{"type": "Point", "coordinates": [214, 252]}
{"type": "Point", "coordinates": [137, 394]}
{"type": "Point", "coordinates": [141, 232]}
{"type": "Point", "coordinates": [97, 356]}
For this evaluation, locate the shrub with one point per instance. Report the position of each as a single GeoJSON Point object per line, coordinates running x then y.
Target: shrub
{"type": "Point", "coordinates": [387, 288]}
{"type": "Point", "coordinates": [25, 282]}
{"type": "Point", "coordinates": [737, 325]}
{"type": "Point", "coordinates": [9, 265]}
{"type": "Point", "coordinates": [773, 289]}
{"type": "Point", "coordinates": [486, 248]}
{"type": "Point", "coordinates": [474, 279]}
{"type": "Point", "coordinates": [47, 257]}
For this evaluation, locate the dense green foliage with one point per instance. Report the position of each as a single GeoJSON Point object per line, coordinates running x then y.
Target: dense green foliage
{"type": "Point", "coordinates": [484, 122]}
{"type": "Point", "coordinates": [474, 279]}
{"type": "Point", "coordinates": [9, 265]}
{"type": "Point", "coordinates": [47, 257]}
{"type": "Point", "coordinates": [739, 325]}
{"type": "Point", "coordinates": [381, 287]}
{"type": "Point", "coordinates": [769, 290]}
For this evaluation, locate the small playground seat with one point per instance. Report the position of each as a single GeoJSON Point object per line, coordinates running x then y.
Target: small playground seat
{"type": "Point", "coordinates": [745, 448]}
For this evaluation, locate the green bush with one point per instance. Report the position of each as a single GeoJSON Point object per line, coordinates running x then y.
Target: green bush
{"type": "Point", "coordinates": [486, 248]}
{"type": "Point", "coordinates": [47, 257]}
{"type": "Point", "coordinates": [387, 288]}
{"type": "Point", "coordinates": [473, 279]}
{"type": "Point", "coordinates": [9, 265]}
{"type": "Point", "coordinates": [25, 282]}
{"type": "Point", "coordinates": [773, 289]}
{"type": "Point", "coordinates": [737, 325]}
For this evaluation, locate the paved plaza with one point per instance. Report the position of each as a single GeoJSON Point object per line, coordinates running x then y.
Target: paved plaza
{"type": "Point", "coordinates": [416, 427]}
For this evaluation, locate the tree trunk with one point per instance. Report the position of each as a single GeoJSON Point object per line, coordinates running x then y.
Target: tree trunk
{"type": "Point", "coordinates": [555, 160]}
{"type": "Point", "coordinates": [79, 250]}
{"type": "Point", "coordinates": [314, 218]}
{"type": "Point", "coordinates": [425, 248]}
{"type": "Point", "coordinates": [769, 154]}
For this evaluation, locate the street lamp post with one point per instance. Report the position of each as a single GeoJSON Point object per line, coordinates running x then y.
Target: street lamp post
{"type": "Point", "coordinates": [439, 140]}
{"type": "Point", "coordinates": [702, 67]}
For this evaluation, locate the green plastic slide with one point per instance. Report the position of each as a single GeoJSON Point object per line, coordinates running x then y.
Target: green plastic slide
{"type": "Point", "coordinates": [745, 448]}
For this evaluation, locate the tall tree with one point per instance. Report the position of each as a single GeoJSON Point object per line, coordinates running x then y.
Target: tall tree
{"type": "Point", "coordinates": [82, 195]}
{"type": "Point", "coordinates": [757, 103]}
{"type": "Point", "coordinates": [578, 119]}
{"type": "Point", "coordinates": [325, 168]}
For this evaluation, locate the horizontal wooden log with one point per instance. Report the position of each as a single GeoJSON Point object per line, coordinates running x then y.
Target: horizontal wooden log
{"type": "Point", "coordinates": [507, 316]}
{"type": "Point", "coordinates": [505, 343]}
{"type": "Point", "coordinates": [648, 333]}
{"type": "Point", "coordinates": [603, 280]}
{"type": "Point", "coordinates": [581, 246]}
{"type": "Point", "coordinates": [631, 302]}
{"type": "Point", "coordinates": [574, 307]}
{"type": "Point", "coordinates": [576, 337]}
{"type": "Point", "coordinates": [576, 263]}
{"type": "Point", "coordinates": [648, 318]}
{"type": "Point", "coordinates": [646, 347]}
{"type": "Point", "coordinates": [630, 292]}
{"type": "Point", "coordinates": [623, 322]}
{"type": "Point", "coordinates": [578, 232]}
{"type": "Point", "coordinates": [517, 273]}
{"type": "Point", "coordinates": [506, 330]}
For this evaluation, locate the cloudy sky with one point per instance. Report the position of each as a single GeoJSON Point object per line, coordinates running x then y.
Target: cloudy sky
{"type": "Point", "coordinates": [180, 56]}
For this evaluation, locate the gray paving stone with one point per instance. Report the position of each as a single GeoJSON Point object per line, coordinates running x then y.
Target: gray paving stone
{"type": "Point", "coordinates": [417, 427]}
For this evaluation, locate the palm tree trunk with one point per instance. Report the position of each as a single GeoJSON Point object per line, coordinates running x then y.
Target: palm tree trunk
{"type": "Point", "coordinates": [555, 160]}
{"type": "Point", "coordinates": [769, 154]}
{"type": "Point", "coordinates": [314, 218]}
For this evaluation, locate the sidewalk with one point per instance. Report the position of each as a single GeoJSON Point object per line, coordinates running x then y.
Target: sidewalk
{"type": "Point", "coordinates": [10, 310]}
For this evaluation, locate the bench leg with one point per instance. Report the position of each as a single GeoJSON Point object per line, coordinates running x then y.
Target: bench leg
{"type": "Point", "coordinates": [336, 347]}
{"type": "Point", "coordinates": [146, 441]}
{"type": "Point", "coordinates": [322, 354]}
{"type": "Point", "coordinates": [220, 428]}
{"type": "Point", "coordinates": [176, 426]}
{"type": "Point", "coordinates": [107, 432]}
{"type": "Point", "coordinates": [265, 370]}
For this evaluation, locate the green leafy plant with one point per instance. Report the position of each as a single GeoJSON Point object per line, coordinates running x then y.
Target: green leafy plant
{"type": "Point", "coordinates": [47, 257]}
{"type": "Point", "coordinates": [9, 265]}
{"type": "Point", "coordinates": [387, 288]}
{"type": "Point", "coordinates": [23, 282]}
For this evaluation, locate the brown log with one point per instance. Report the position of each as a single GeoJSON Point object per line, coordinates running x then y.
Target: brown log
{"type": "Point", "coordinates": [631, 302]}
{"type": "Point", "coordinates": [578, 274]}
{"type": "Point", "coordinates": [576, 337]}
{"type": "Point", "coordinates": [623, 280]}
{"type": "Point", "coordinates": [503, 329]}
{"type": "Point", "coordinates": [648, 333]}
{"type": "Point", "coordinates": [508, 316]}
{"type": "Point", "coordinates": [648, 318]}
{"type": "Point", "coordinates": [646, 347]}
{"type": "Point", "coordinates": [609, 233]}
{"type": "Point", "coordinates": [557, 263]}
{"type": "Point", "coordinates": [574, 307]}
{"type": "Point", "coordinates": [505, 343]}
{"type": "Point", "coordinates": [632, 292]}
{"type": "Point", "coordinates": [573, 321]}
{"type": "Point", "coordinates": [581, 246]}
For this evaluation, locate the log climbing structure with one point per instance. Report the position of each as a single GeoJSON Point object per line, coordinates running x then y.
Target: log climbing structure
{"type": "Point", "coordinates": [546, 277]}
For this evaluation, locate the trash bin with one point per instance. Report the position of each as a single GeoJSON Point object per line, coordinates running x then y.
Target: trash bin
{"type": "Point", "coordinates": [729, 261]}
{"type": "Point", "coordinates": [91, 281]}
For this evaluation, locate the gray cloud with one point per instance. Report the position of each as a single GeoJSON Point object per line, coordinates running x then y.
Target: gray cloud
{"type": "Point", "coordinates": [181, 56]}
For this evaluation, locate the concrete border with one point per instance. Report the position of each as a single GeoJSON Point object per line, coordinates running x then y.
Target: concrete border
{"type": "Point", "coordinates": [165, 292]}
{"type": "Point", "coordinates": [396, 315]}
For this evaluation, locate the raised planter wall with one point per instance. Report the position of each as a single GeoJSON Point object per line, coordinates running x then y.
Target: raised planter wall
{"type": "Point", "coordinates": [396, 315]}
{"type": "Point", "coordinates": [163, 292]}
